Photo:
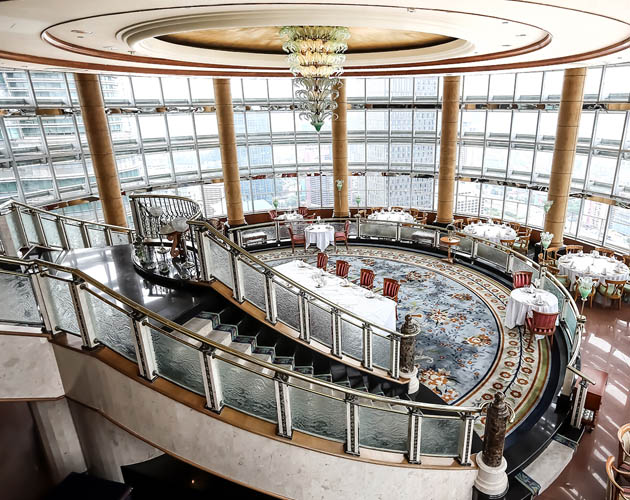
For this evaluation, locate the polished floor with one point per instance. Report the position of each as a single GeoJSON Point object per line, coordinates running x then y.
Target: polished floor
{"type": "Point", "coordinates": [605, 346]}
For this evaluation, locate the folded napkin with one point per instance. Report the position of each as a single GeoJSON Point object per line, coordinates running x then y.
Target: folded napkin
{"type": "Point", "coordinates": [604, 273]}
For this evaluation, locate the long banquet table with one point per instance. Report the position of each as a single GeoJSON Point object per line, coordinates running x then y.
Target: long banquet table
{"type": "Point", "coordinates": [379, 310]}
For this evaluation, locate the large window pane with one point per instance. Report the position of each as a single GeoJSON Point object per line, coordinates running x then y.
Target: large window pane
{"type": "Point", "coordinates": [618, 234]}
{"type": "Point", "coordinates": [593, 221]}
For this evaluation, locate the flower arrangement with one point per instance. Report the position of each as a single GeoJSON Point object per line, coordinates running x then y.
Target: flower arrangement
{"type": "Point", "coordinates": [275, 203]}
{"type": "Point", "coordinates": [339, 184]}
{"type": "Point", "coordinates": [357, 200]}
{"type": "Point", "coordinates": [547, 206]}
{"type": "Point", "coordinates": [545, 239]}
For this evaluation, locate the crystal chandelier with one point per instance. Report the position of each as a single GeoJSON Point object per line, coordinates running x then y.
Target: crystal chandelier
{"type": "Point", "coordinates": [316, 57]}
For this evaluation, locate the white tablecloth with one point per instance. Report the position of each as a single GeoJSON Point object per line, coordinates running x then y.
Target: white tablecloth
{"type": "Point", "coordinates": [392, 216]}
{"type": "Point", "coordinates": [492, 232]}
{"type": "Point", "coordinates": [320, 235]}
{"type": "Point", "coordinates": [290, 217]}
{"type": "Point", "coordinates": [520, 303]}
{"type": "Point", "coordinates": [378, 310]}
{"type": "Point", "coordinates": [601, 268]}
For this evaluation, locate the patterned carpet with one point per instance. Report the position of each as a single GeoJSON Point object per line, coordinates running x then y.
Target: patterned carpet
{"type": "Point", "coordinates": [463, 352]}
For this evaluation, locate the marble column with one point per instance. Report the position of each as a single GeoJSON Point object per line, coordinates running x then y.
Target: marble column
{"type": "Point", "coordinates": [59, 437]}
{"type": "Point", "coordinates": [564, 151]}
{"type": "Point", "coordinates": [408, 370]}
{"type": "Point", "coordinates": [340, 152]}
{"type": "Point", "coordinates": [448, 149]}
{"type": "Point", "coordinates": [229, 158]}
{"type": "Point", "coordinates": [101, 150]}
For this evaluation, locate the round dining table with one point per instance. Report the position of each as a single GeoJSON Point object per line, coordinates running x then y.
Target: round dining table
{"type": "Point", "coordinates": [525, 299]}
{"type": "Point", "coordinates": [492, 232]}
{"type": "Point", "coordinates": [387, 215]}
{"type": "Point", "coordinates": [290, 217]}
{"type": "Point", "coordinates": [598, 267]}
{"type": "Point", "coordinates": [320, 235]}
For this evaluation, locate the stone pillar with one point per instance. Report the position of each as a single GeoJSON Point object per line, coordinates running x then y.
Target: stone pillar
{"type": "Point", "coordinates": [448, 149]}
{"type": "Point", "coordinates": [100, 143]}
{"type": "Point", "coordinates": [340, 152]}
{"type": "Point", "coordinates": [408, 370]}
{"type": "Point", "coordinates": [59, 437]}
{"type": "Point", "coordinates": [229, 158]}
{"type": "Point", "coordinates": [491, 479]}
{"type": "Point", "coordinates": [564, 151]}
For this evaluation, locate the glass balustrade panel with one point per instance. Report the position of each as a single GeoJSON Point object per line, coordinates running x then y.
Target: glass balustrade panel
{"type": "Point", "coordinates": [51, 230]}
{"type": "Point", "coordinates": [63, 313]}
{"type": "Point", "coordinates": [75, 238]}
{"type": "Point", "coordinates": [381, 349]}
{"type": "Point", "coordinates": [219, 261]}
{"type": "Point", "coordinates": [288, 306]}
{"type": "Point", "coordinates": [17, 299]}
{"type": "Point", "coordinates": [317, 414]}
{"type": "Point", "coordinates": [253, 281]}
{"type": "Point", "coordinates": [351, 338]}
{"type": "Point", "coordinates": [97, 237]}
{"type": "Point", "coordinates": [113, 327]}
{"type": "Point", "coordinates": [29, 227]}
{"type": "Point", "coordinates": [492, 254]}
{"type": "Point", "coordinates": [320, 322]}
{"type": "Point", "coordinates": [384, 429]}
{"type": "Point", "coordinates": [178, 362]}
{"type": "Point", "coordinates": [439, 436]}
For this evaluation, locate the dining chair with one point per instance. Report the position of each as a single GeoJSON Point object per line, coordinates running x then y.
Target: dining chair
{"type": "Point", "coordinates": [589, 297]}
{"type": "Point", "coordinates": [472, 220]}
{"type": "Point", "coordinates": [508, 243]}
{"type": "Point", "coordinates": [322, 261]}
{"type": "Point", "coordinates": [496, 221]}
{"type": "Point", "coordinates": [343, 235]}
{"type": "Point", "coordinates": [524, 231]}
{"type": "Point", "coordinates": [521, 279]}
{"type": "Point", "coordinates": [614, 491]}
{"type": "Point", "coordinates": [574, 248]}
{"type": "Point", "coordinates": [296, 239]}
{"type": "Point", "coordinates": [605, 251]}
{"type": "Point", "coordinates": [613, 290]}
{"type": "Point", "coordinates": [391, 287]}
{"type": "Point", "coordinates": [366, 278]}
{"type": "Point", "coordinates": [342, 268]}
{"type": "Point", "coordinates": [397, 209]}
{"type": "Point", "coordinates": [543, 262]}
{"type": "Point", "coordinates": [458, 223]}
{"type": "Point", "coordinates": [515, 225]}
{"type": "Point", "coordinates": [521, 245]}
{"type": "Point", "coordinates": [626, 260]}
{"type": "Point", "coordinates": [552, 253]}
{"type": "Point", "coordinates": [273, 214]}
{"type": "Point", "coordinates": [302, 211]}
{"type": "Point", "coordinates": [541, 323]}
{"type": "Point", "coordinates": [414, 212]}
{"type": "Point", "coordinates": [623, 436]}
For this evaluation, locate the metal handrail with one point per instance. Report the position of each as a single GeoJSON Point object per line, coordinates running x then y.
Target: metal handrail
{"type": "Point", "coordinates": [134, 306]}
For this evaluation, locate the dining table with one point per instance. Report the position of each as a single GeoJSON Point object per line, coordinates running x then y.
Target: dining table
{"type": "Point", "coordinates": [525, 299]}
{"type": "Point", "coordinates": [599, 267]}
{"type": "Point", "coordinates": [290, 217]}
{"type": "Point", "coordinates": [489, 231]}
{"type": "Point", "coordinates": [391, 216]}
{"type": "Point", "coordinates": [320, 235]}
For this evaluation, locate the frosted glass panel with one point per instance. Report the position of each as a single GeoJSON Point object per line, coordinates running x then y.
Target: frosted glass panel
{"type": "Point", "coordinates": [248, 391]}
{"type": "Point", "coordinates": [317, 414]}
{"type": "Point", "coordinates": [63, 312]}
{"type": "Point", "coordinates": [253, 285]}
{"type": "Point", "coordinates": [288, 308]}
{"type": "Point", "coordinates": [29, 227]}
{"type": "Point", "coordinates": [220, 266]}
{"type": "Point", "coordinates": [492, 254]}
{"type": "Point", "coordinates": [75, 239]}
{"type": "Point", "coordinates": [51, 231]}
{"type": "Point", "coordinates": [16, 233]}
{"type": "Point", "coordinates": [119, 238]}
{"type": "Point", "coordinates": [383, 429]}
{"type": "Point", "coordinates": [381, 348]}
{"type": "Point", "coordinates": [113, 328]}
{"type": "Point", "coordinates": [351, 339]}
{"type": "Point", "coordinates": [320, 322]}
{"type": "Point", "coordinates": [178, 362]}
{"type": "Point", "coordinates": [17, 300]}
{"type": "Point", "coordinates": [97, 237]}
{"type": "Point", "coordinates": [440, 436]}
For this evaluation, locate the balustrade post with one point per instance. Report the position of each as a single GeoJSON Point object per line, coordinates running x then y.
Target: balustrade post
{"type": "Point", "coordinates": [42, 298]}
{"type": "Point", "coordinates": [578, 404]}
{"type": "Point", "coordinates": [271, 306]}
{"type": "Point", "coordinates": [283, 405]}
{"type": "Point", "coordinates": [202, 255]}
{"type": "Point", "coordinates": [398, 230]}
{"type": "Point", "coordinates": [436, 239]}
{"type": "Point", "coordinates": [108, 237]}
{"type": "Point", "coordinates": [78, 294]}
{"type": "Point", "coordinates": [277, 227]}
{"type": "Point", "coordinates": [352, 425]}
{"type": "Point", "coordinates": [509, 263]}
{"type": "Point", "coordinates": [394, 362]}
{"type": "Point", "coordinates": [367, 346]}
{"type": "Point", "coordinates": [143, 342]}
{"type": "Point", "coordinates": [336, 332]}
{"type": "Point", "coordinates": [63, 235]}
{"type": "Point", "coordinates": [20, 223]}
{"type": "Point", "coordinates": [543, 276]}
{"type": "Point", "coordinates": [464, 445]}
{"type": "Point", "coordinates": [237, 287]}
{"type": "Point", "coordinates": [39, 228]}
{"type": "Point", "coordinates": [359, 228]}
{"type": "Point", "coordinates": [305, 325]}
{"type": "Point", "coordinates": [211, 378]}
{"type": "Point", "coordinates": [474, 250]}
{"type": "Point", "coordinates": [85, 235]}
{"type": "Point", "coordinates": [408, 369]}
{"type": "Point", "coordinates": [415, 436]}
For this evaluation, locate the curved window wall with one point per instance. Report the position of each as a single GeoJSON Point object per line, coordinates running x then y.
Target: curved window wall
{"type": "Point", "coordinates": [164, 133]}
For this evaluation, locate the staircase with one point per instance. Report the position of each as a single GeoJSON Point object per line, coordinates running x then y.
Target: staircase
{"type": "Point", "coordinates": [228, 325]}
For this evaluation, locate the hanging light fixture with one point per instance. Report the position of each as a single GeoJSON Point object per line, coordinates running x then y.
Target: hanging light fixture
{"type": "Point", "coordinates": [316, 57]}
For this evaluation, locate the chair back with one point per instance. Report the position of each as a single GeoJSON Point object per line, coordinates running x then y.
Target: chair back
{"type": "Point", "coordinates": [521, 279]}
{"type": "Point", "coordinates": [472, 220]}
{"type": "Point", "coordinates": [366, 278]}
{"type": "Point", "coordinates": [605, 251]}
{"type": "Point", "coordinates": [346, 228]}
{"type": "Point", "coordinates": [273, 214]}
{"type": "Point", "coordinates": [342, 268]}
{"type": "Point", "coordinates": [515, 225]}
{"type": "Point", "coordinates": [397, 209]}
{"type": "Point", "coordinates": [623, 436]}
{"type": "Point", "coordinates": [508, 243]}
{"type": "Point", "coordinates": [496, 221]}
{"type": "Point", "coordinates": [458, 223]}
{"type": "Point", "coordinates": [391, 288]}
{"type": "Point", "coordinates": [552, 253]}
{"type": "Point", "coordinates": [322, 261]}
{"type": "Point", "coordinates": [618, 286]}
{"type": "Point", "coordinates": [414, 212]}
{"type": "Point", "coordinates": [574, 248]}
{"type": "Point", "coordinates": [626, 260]}
{"type": "Point", "coordinates": [544, 321]}
{"type": "Point", "coordinates": [614, 491]}
{"type": "Point", "coordinates": [303, 211]}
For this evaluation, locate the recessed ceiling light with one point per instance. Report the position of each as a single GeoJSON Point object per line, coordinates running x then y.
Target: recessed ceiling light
{"type": "Point", "coordinates": [522, 34]}
{"type": "Point", "coordinates": [505, 22]}
{"type": "Point", "coordinates": [81, 32]}
{"type": "Point", "coordinates": [506, 45]}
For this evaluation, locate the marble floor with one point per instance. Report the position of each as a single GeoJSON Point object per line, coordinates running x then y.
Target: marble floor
{"type": "Point", "coordinates": [605, 346]}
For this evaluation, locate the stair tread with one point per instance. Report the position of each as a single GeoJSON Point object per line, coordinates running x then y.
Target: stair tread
{"type": "Point", "coordinates": [199, 325]}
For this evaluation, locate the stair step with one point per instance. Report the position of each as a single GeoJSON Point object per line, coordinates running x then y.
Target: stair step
{"type": "Point", "coordinates": [241, 347]}
{"type": "Point", "coordinates": [202, 326]}
{"type": "Point", "coordinates": [220, 337]}
{"type": "Point", "coordinates": [263, 357]}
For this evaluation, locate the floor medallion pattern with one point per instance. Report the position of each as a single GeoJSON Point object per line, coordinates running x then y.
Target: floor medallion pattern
{"type": "Point", "coordinates": [463, 352]}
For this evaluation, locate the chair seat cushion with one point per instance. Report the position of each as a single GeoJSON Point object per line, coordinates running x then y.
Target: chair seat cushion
{"type": "Point", "coordinates": [340, 234]}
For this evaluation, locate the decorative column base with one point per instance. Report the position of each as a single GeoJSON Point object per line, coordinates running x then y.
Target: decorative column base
{"type": "Point", "coordinates": [414, 383]}
{"type": "Point", "coordinates": [491, 482]}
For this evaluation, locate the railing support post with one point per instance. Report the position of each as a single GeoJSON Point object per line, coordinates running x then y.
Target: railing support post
{"type": "Point", "coordinates": [202, 256]}
{"type": "Point", "coordinates": [277, 226]}
{"type": "Point", "coordinates": [237, 288]}
{"type": "Point", "coordinates": [475, 249]}
{"type": "Point", "coordinates": [543, 276]}
{"type": "Point", "coordinates": [465, 439]}
{"type": "Point", "coordinates": [509, 263]}
{"type": "Point", "coordinates": [305, 324]}
{"type": "Point", "coordinates": [39, 228]}
{"type": "Point", "coordinates": [63, 235]}
{"type": "Point", "coordinates": [394, 362]}
{"type": "Point", "coordinates": [85, 235]}
{"type": "Point", "coordinates": [211, 379]}
{"type": "Point", "coordinates": [436, 239]}
{"type": "Point", "coordinates": [359, 228]}
{"type": "Point", "coordinates": [283, 405]}
{"type": "Point", "coordinates": [336, 332]}
{"type": "Point", "coordinates": [578, 404]}
{"type": "Point", "coordinates": [271, 307]}
{"type": "Point", "coordinates": [82, 310]}
{"type": "Point", "coordinates": [143, 343]}
{"type": "Point", "coordinates": [352, 425]}
{"type": "Point", "coordinates": [108, 237]}
{"type": "Point", "coordinates": [398, 231]}
{"type": "Point", "coordinates": [415, 436]}
{"type": "Point", "coordinates": [42, 299]}
{"type": "Point", "coordinates": [367, 346]}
